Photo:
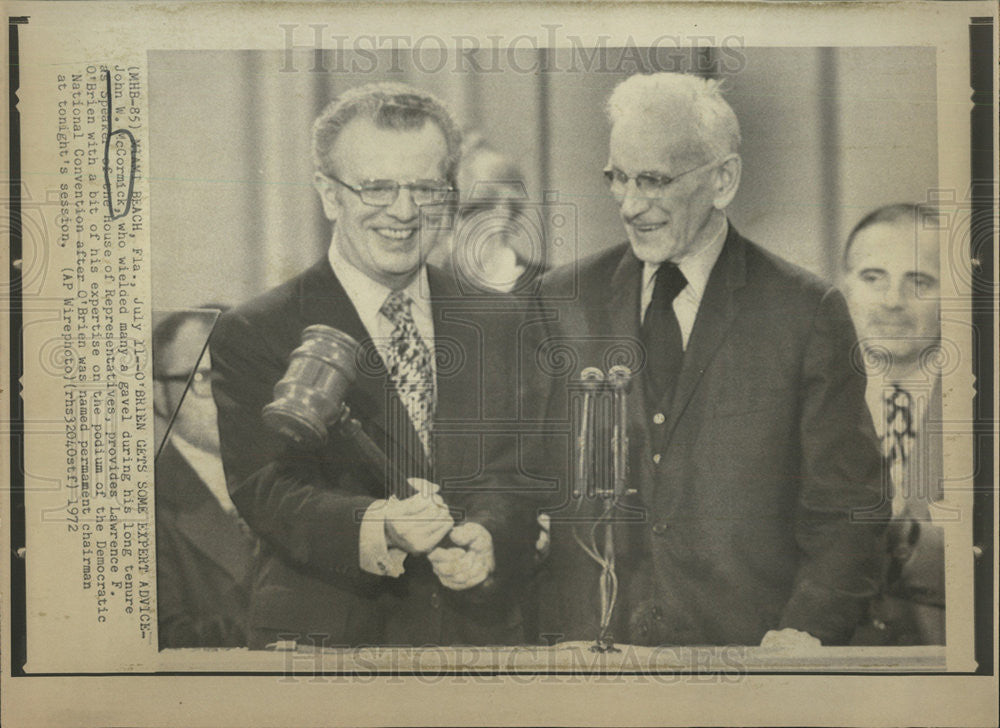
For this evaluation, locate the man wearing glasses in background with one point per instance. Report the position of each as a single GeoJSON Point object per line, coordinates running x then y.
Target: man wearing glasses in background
{"type": "Point", "coordinates": [751, 448]}
{"type": "Point", "coordinates": [344, 562]}
{"type": "Point", "coordinates": [204, 554]}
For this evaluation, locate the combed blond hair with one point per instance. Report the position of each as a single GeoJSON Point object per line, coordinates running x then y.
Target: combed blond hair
{"type": "Point", "coordinates": [388, 106]}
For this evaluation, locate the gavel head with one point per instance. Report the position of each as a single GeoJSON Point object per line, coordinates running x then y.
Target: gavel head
{"type": "Point", "coordinates": [310, 397]}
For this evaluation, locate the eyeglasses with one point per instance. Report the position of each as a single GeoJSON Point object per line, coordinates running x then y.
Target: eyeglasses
{"type": "Point", "coordinates": [383, 192]}
{"type": "Point", "coordinates": [201, 381]}
{"type": "Point", "coordinates": [648, 184]}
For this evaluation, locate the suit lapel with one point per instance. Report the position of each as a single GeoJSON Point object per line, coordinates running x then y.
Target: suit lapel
{"type": "Point", "coordinates": [199, 517]}
{"type": "Point", "coordinates": [715, 316]}
{"type": "Point", "coordinates": [623, 321]}
{"type": "Point", "coordinates": [922, 475]}
{"type": "Point", "coordinates": [623, 311]}
{"type": "Point", "coordinates": [455, 342]}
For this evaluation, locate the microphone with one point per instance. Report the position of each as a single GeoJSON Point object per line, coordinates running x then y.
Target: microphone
{"type": "Point", "coordinates": [619, 378]}
{"type": "Point", "coordinates": [602, 471]}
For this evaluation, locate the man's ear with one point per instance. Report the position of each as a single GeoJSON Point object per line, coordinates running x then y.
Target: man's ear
{"type": "Point", "coordinates": [727, 180]}
{"type": "Point", "coordinates": [326, 188]}
{"type": "Point", "coordinates": [161, 405]}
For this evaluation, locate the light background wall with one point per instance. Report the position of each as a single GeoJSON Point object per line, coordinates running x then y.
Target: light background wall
{"type": "Point", "coordinates": [829, 134]}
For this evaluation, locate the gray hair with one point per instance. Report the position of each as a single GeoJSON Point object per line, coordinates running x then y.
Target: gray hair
{"type": "Point", "coordinates": [388, 106]}
{"type": "Point", "coordinates": [663, 95]}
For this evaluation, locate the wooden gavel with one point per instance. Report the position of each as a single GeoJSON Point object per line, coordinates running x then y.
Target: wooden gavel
{"type": "Point", "coordinates": [309, 401]}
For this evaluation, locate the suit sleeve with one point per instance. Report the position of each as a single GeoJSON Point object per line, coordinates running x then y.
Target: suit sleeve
{"type": "Point", "coordinates": [294, 498]}
{"type": "Point", "coordinates": [502, 499]}
{"type": "Point", "coordinates": [841, 510]}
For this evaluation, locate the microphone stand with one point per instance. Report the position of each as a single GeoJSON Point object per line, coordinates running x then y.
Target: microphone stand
{"type": "Point", "coordinates": [594, 446]}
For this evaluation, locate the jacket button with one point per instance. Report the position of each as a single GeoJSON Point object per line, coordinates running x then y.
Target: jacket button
{"type": "Point", "coordinates": [435, 600]}
{"type": "Point", "coordinates": [658, 418]}
{"type": "Point", "coordinates": [659, 528]}
{"type": "Point", "coordinates": [656, 458]}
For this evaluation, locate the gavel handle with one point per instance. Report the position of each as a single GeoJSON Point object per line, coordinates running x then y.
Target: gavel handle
{"type": "Point", "coordinates": [350, 429]}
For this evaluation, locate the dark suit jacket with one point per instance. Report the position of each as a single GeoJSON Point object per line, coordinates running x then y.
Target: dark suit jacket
{"type": "Point", "coordinates": [307, 504]}
{"type": "Point", "coordinates": [203, 561]}
{"type": "Point", "coordinates": [746, 482]}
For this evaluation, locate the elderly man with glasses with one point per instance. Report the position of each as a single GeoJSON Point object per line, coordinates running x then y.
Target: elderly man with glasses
{"type": "Point", "coordinates": [346, 560]}
{"type": "Point", "coordinates": [751, 509]}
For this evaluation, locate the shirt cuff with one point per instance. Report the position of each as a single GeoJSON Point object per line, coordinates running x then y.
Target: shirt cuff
{"type": "Point", "coordinates": [375, 555]}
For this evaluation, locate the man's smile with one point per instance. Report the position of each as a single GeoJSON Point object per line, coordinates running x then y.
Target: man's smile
{"type": "Point", "coordinates": [396, 233]}
{"type": "Point", "coordinates": [647, 227]}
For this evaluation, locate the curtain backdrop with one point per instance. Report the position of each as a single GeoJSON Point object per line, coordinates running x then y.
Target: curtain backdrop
{"type": "Point", "coordinates": [828, 134]}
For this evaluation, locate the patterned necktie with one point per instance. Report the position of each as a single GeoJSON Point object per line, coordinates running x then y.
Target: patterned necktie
{"type": "Point", "coordinates": [897, 440]}
{"type": "Point", "coordinates": [410, 366]}
{"type": "Point", "coordinates": [661, 334]}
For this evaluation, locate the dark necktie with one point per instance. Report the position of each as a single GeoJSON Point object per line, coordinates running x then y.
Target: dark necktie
{"type": "Point", "coordinates": [661, 334]}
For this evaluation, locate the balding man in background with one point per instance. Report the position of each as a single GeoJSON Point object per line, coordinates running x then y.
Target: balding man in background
{"type": "Point", "coordinates": [891, 278]}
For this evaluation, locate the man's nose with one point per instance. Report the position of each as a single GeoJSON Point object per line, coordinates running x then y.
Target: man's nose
{"type": "Point", "coordinates": [893, 296]}
{"type": "Point", "coordinates": [634, 201]}
{"type": "Point", "coordinates": [403, 207]}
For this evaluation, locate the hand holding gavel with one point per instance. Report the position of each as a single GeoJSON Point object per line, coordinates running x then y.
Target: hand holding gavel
{"type": "Point", "coordinates": [418, 523]}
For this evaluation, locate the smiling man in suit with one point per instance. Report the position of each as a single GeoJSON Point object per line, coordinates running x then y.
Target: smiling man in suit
{"type": "Point", "coordinates": [344, 561]}
{"type": "Point", "coordinates": [754, 506]}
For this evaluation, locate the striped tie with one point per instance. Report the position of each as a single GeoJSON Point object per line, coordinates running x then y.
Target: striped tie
{"type": "Point", "coordinates": [897, 441]}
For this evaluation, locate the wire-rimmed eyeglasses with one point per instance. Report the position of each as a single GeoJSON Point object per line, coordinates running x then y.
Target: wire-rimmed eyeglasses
{"type": "Point", "coordinates": [200, 381]}
{"type": "Point", "coordinates": [383, 192]}
{"type": "Point", "coordinates": [649, 184]}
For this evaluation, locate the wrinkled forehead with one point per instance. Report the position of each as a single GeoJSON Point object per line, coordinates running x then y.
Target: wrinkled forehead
{"type": "Point", "coordinates": [389, 153]}
{"type": "Point", "coordinates": [899, 247]}
{"type": "Point", "coordinates": [647, 139]}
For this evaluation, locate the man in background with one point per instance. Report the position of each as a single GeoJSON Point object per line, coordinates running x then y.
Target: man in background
{"type": "Point", "coordinates": [204, 552]}
{"type": "Point", "coordinates": [497, 243]}
{"type": "Point", "coordinates": [891, 278]}
{"type": "Point", "coordinates": [751, 446]}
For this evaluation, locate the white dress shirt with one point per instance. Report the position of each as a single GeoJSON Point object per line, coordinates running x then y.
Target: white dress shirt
{"type": "Point", "coordinates": [367, 297]}
{"type": "Point", "coordinates": [696, 267]}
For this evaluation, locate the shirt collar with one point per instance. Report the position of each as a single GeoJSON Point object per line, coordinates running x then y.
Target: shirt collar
{"type": "Point", "coordinates": [696, 267]}
{"type": "Point", "coordinates": [367, 294]}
